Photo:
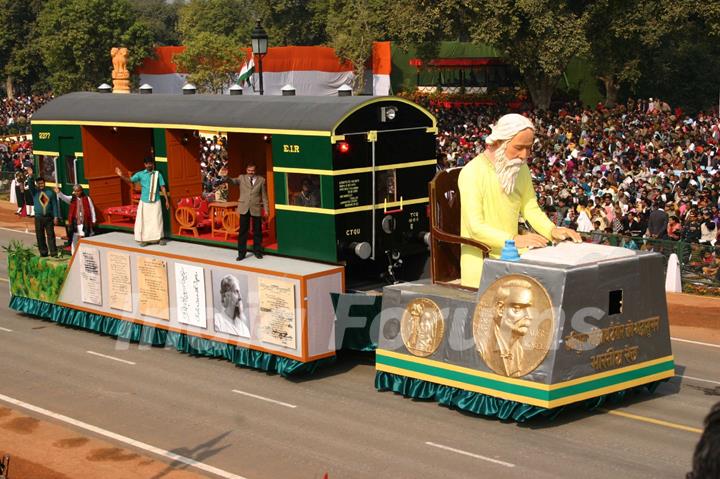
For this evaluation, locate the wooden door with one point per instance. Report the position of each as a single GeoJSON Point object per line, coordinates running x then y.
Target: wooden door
{"type": "Point", "coordinates": [184, 174]}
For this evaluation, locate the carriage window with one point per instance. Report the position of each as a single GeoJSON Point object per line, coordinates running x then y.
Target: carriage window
{"type": "Point", "coordinates": [47, 168]}
{"type": "Point", "coordinates": [70, 169]}
{"type": "Point", "coordinates": [303, 190]}
{"type": "Point", "coordinates": [385, 186]}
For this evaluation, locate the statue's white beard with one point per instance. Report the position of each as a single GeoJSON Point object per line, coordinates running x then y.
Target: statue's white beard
{"type": "Point", "coordinates": [506, 169]}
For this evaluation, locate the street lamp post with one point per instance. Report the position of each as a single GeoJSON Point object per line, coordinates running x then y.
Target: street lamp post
{"type": "Point", "coordinates": [259, 48]}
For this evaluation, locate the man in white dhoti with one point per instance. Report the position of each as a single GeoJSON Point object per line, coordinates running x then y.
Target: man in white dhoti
{"type": "Point", "coordinates": [149, 220]}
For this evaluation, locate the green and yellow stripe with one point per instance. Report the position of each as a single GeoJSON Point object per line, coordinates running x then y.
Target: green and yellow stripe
{"type": "Point", "coordinates": [528, 392]}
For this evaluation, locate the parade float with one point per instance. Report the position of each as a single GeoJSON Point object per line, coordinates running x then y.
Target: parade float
{"type": "Point", "coordinates": [593, 320]}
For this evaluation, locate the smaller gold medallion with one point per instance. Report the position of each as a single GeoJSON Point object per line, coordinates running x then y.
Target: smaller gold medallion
{"type": "Point", "coordinates": [422, 327]}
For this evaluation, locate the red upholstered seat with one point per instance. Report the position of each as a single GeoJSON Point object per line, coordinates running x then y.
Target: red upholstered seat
{"type": "Point", "coordinates": [125, 211]}
{"type": "Point", "coordinates": [203, 208]}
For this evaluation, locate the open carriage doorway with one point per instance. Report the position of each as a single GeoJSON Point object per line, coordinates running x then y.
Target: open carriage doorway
{"type": "Point", "coordinates": [206, 206]}
{"type": "Point", "coordinates": [104, 149]}
{"type": "Point", "coordinates": [251, 148]}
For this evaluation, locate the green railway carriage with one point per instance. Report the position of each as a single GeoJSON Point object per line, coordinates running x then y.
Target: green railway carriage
{"type": "Point", "coordinates": [366, 162]}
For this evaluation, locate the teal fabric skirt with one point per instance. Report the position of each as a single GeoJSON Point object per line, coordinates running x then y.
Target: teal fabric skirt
{"type": "Point", "coordinates": [144, 334]}
{"type": "Point", "coordinates": [484, 405]}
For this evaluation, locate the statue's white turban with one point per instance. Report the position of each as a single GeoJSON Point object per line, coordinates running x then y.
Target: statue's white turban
{"type": "Point", "coordinates": [507, 127]}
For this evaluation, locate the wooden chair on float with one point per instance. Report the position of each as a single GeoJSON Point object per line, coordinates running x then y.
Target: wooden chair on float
{"type": "Point", "coordinates": [230, 223]}
{"type": "Point", "coordinates": [445, 239]}
{"type": "Point", "coordinates": [186, 217]}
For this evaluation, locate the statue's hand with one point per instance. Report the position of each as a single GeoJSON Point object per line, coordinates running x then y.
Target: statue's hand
{"type": "Point", "coordinates": [530, 240]}
{"type": "Point", "coordinates": [562, 234]}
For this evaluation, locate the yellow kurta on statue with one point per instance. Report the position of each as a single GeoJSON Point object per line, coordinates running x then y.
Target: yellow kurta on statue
{"type": "Point", "coordinates": [490, 216]}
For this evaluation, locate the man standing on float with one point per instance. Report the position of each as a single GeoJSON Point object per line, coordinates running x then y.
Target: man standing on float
{"type": "Point", "coordinates": [149, 220]}
{"type": "Point", "coordinates": [495, 189]}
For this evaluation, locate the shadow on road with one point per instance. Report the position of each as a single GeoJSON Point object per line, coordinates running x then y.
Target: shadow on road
{"type": "Point", "coordinates": [199, 453]}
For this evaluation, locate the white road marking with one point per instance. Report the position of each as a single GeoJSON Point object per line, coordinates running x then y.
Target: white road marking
{"type": "Point", "coordinates": [698, 379]}
{"type": "Point", "coordinates": [711, 345]}
{"type": "Point", "coordinates": [4, 280]}
{"type": "Point", "coordinates": [123, 439]}
{"type": "Point", "coordinates": [476, 456]}
{"type": "Point", "coordinates": [6, 330]}
{"type": "Point", "coordinates": [111, 357]}
{"type": "Point", "coordinates": [292, 406]}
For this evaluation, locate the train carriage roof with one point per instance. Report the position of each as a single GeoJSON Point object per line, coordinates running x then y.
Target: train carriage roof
{"type": "Point", "coordinates": [309, 115]}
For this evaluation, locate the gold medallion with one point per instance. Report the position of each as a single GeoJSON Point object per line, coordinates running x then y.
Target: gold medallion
{"type": "Point", "coordinates": [422, 327]}
{"type": "Point", "coordinates": [513, 325]}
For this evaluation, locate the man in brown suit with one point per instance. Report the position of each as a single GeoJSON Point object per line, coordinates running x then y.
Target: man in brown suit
{"type": "Point", "coordinates": [253, 203]}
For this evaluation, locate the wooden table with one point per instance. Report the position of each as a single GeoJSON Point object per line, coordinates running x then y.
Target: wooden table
{"type": "Point", "coordinates": [219, 207]}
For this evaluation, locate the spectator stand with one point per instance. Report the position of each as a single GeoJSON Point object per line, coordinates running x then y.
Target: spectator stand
{"type": "Point", "coordinates": [699, 264]}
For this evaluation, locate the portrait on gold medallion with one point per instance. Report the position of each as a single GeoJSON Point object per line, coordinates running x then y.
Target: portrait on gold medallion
{"type": "Point", "coordinates": [422, 327]}
{"type": "Point", "coordinates": [513, 325]}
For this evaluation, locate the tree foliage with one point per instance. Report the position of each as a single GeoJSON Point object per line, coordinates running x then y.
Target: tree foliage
{"type": "Point", "coordinates": [353, 26]}
{"type": "Point", "coordinates": [211, 60]}
{"type": "Point", "coordinates": [295, 22]}
{"type": "Point", "coordinates": [664, 48]}
{"type": "Point", "coordinates": [75, 37]}
{"type": "Point", "coordinates": [161, 19]}
{"type": "Point", "coordinates": [232, 19]}
{"type": "Point", "coordinates": [538, 37]}
{"type": "Point", "coordinates": [18, 56]}
{"type": "Point", "coordinates": [682, 67]}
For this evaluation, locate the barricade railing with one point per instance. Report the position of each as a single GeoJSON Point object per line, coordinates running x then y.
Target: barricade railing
{"type": "Point", "coordinates": [699, 263]}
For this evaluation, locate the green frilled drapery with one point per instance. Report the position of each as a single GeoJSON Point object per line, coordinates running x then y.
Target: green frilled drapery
{"type": "Point", "coordinates": [484, 405]}
{"type": "Point", "coordinates": [144, 334]}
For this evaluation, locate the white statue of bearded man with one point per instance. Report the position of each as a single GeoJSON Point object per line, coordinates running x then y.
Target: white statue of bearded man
{"type": "Point", "coordinates": [495, 190]}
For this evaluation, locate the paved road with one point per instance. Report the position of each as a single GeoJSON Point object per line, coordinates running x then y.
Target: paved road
{"type": "Point", "coordinates": [336, 422]}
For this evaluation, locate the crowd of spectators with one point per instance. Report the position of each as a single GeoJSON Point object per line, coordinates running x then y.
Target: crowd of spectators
{"type": "Point", "coordinates": [640, 169]}
{"type": "Point", "coordinates": [15, 113]}
{"type": "Point", "coordinates": [16, 168]}
{"type": "Point", "coordinates": [15, 154]}
{"type": "Point", "coordinates": [214, 165]}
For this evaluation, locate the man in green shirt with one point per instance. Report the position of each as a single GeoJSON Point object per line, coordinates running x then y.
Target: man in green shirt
{"type": "Point", "coordinates": [149, 220]}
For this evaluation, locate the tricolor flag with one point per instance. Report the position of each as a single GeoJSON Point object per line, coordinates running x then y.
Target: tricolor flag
{"type": "Point", "coordinates": [313, 71]}
{"type": "Point", "coordinates": [161, 72]}
{"type": "Point", "coordinates": [246, 72]}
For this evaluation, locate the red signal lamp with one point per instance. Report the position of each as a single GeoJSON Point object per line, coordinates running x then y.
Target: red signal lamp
{"type": "Point", "coordinates": [343, 147]}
